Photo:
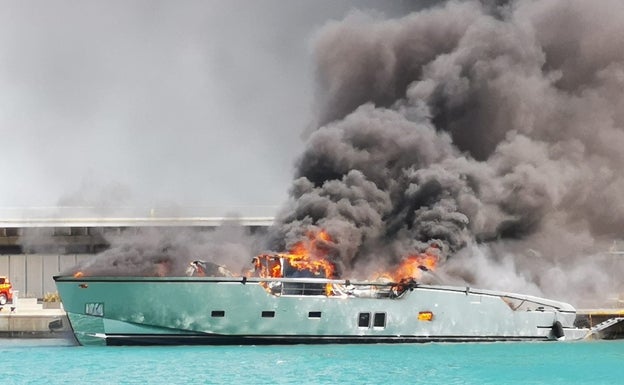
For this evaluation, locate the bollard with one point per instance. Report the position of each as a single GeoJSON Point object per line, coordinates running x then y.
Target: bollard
{"type": "Point", "coordinates": [14, 303]}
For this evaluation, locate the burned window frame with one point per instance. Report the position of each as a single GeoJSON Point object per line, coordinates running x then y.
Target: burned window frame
{"type": "Point", "coordinates": [364, 316]}
{"type": "Point", "coordinates": [379, 316]}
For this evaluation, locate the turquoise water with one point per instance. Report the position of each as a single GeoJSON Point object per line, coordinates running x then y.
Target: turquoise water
{"type": "Point", "coordinates": [53, 362]}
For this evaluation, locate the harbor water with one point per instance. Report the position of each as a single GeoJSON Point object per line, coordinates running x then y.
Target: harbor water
{"type": "Point", "coordinates": [57, 362]}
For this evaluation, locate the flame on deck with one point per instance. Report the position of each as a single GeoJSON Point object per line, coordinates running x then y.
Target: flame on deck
{"type": "Point", "coordinates": [412, 266]}
{"type": "Point", "coordinates": [309, 256]}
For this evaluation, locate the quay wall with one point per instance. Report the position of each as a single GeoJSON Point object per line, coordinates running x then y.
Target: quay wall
{"type": "Point", "coordinates": [33, 250]}
{"type": "Point", "coordinates": [31, 274]}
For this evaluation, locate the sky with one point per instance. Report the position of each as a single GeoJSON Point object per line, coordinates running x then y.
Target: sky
{"type": "Point", "coordinates": [492, 128]}
{"type": "Point", "coordinates": [157, 103]}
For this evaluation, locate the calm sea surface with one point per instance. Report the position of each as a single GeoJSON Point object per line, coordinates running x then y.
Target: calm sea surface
{"type": "Point", "coordinates": [54, 362]}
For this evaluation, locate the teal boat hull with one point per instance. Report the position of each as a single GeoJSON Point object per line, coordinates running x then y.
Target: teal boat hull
{"type": "Point", "coordinates": [214, 311]}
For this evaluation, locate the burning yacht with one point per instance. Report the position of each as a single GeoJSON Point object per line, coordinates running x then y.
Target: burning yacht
{"type": "Point", "coordinates": [293, 299]}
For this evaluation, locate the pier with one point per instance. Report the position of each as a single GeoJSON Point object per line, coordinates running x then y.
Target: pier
{"type": "Point", "coordinates": [608, 323]}
{"type": "Point", "coordinates": [27, 318]}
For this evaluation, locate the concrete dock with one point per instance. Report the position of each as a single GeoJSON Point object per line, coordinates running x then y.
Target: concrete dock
{"type": "Point", "coordinates": [590, 318]}
{"type": "Point", "coordinates": [28, 319]}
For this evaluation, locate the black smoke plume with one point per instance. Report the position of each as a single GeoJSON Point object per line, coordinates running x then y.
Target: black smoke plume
{"type": "Point", "coordinates": [495, 130]}
{"type": "Point", "coordinates": [492, 129]}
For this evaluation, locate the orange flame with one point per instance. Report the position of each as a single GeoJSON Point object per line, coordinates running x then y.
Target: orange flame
{"type": "Point", "coordinates": [276, 270]}
{"type": "Point", "coordinates": [412, 266]}
{"type": "Point", "coordinates": [78, 274]}
{"type": "Point", "coordinates": [266, 265]}
{"type": "Point", "coordinates": [311, 254]}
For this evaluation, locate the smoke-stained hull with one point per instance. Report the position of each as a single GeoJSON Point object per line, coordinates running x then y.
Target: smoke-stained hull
{"type": "Point", "coordinates": [220, 311]}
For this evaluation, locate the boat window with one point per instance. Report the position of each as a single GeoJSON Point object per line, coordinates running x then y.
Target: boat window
{"type": "Point", "coordinates": [268, 314]}
{"type": "Point", "coordinates": [380, 320]}
{"type": "Point", "coordinates": [314, 314]}
{"type": "Point", "coordinates": [218, 313]}
{"type": "Point", "coordinates": [303, 288]}
{"type": "Point", "coordinates": [364, 320]}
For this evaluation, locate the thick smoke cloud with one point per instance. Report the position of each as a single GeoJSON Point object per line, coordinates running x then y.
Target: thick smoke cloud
{"type": "Point", "coordinates": [495, 131]}
{"type": "Point", "coordinates": [168, 251]}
